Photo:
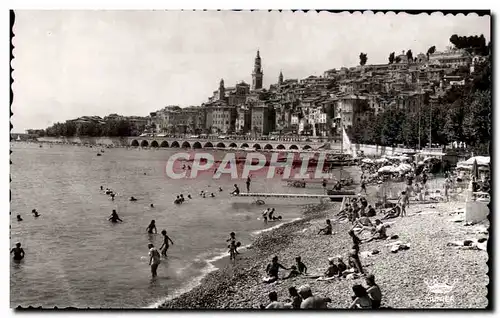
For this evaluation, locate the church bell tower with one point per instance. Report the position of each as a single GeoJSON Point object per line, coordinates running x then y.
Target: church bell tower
{"type": "Point", "coordinates": [257, 73]}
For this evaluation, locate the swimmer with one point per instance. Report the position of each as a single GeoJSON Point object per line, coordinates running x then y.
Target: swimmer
{"type": "Point", "coordinates": [177, 200]}
{"type": "Point", "coordinates": [151, 227]}
{"type": "Point", "coordinates": [102, 188]}
{"type": "Point", "coordinates": [133, 199]}
{"type": "Point", "coordinates": [189, 196]}
{"type": "Point", "coordinates": [236, 190]}
{"type": "Point", "coordinates": [151, 205]}
{"type": "Point", "coordinates": [114, 217]}
{"type": "Point", "coordinates": [154, 259]}
{"type": "Point", "coordinates": [166, 239]}
{"type": "Point", "coordinates": [112, 196]}
{"type": "Point", "coordinates": [18, 252]}
{"type": "Point", "coordinates": [201, 193]}
{"type": "Point", "coordinates": [35, 213]}
{"type": "Point", "coordinates": [220, 189]}
{"type": "Point", "coordinates": [212, 195]}
{"type": "Point", "coordinates": [19, 217]}
{"type": "Point", "coordinates": [204, 196]}
{"type": "Point", "coordinates": [182, 198]}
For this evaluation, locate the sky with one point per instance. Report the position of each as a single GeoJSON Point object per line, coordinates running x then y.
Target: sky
{"type": "Point", "coordinates": [75, 63]}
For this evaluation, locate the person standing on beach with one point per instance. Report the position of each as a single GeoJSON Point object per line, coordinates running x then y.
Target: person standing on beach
{"type": "Point", "coordinates": [403, 202]}
{"type": "Point", "coordinates": [166, 239]}
{"type": "Point", "coordinates": [154, 259]}
{"type": "Point", "coordinates": [363, 184]}
{"type": "Point", "coordinates": [324, 185]}
{"type": "Point", "coordinates": [248, 183]}
{"type": "Point", "coordinates": [264, 215]}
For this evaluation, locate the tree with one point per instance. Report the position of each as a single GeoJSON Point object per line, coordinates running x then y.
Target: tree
{"type": "Point", "coordinates": [397, 59]}
{"type": "Point", "coordinates": [409, 55]}
{"type": "Point", "coordinates": [431, 50]}
{"type": "Point", "coordinates": [363, 57]}
{"type": "Point", "coordinates": [391, 58]}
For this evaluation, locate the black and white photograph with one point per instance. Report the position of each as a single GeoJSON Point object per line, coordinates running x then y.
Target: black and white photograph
{"type": "Point", "coordinates": [259, 160]}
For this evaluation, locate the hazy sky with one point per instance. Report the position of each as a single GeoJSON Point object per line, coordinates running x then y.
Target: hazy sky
{"type": "Point", "coordinates": [73, 63]}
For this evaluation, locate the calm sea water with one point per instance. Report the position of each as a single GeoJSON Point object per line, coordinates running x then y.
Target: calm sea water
{"type": "Point", "coordinates": [75, 257]}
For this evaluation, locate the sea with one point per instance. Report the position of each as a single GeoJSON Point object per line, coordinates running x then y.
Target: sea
{"type": "Point", "coordinates": [75, 257]}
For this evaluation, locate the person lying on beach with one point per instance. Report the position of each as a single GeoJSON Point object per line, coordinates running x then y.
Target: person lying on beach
{"type": "Point", "coordinates": [19, 218]}
{"type": "Point", "coordinates": [114, 217]}
{"type": "Point", "coordinates": [296, 300]}
{"type": "Point", "coordinates": [166, 239]}
{"type": "Point", "coordinates": [275, 304]}
{"type": "Point", "coordinates": [326, 230]}
{"type": "Point", "coordinates": [310, 301]}
{"type": "Point", "coordinates": [272, 270]}
{"type": "Point", "coordinates": [379, 231]}
{"type": "Point", "coordinates": [361, 300]}
{"type": "Point", "coordinates": [373, 291]}
{"type": "Point", "coordinates": [361, 224]}
{"type": "Point", "coordinates": [301, 266]}
{"type": "Point", "coordinates": [18, 252]}
{"type": "Point", "coordinates": [151, 227]}
{"type": "Point", "coordinates": [392, 213]}
{"type": "Point", "coordinates": [371, 211]}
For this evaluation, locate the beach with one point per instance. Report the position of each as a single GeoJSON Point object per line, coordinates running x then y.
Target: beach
{"type": "Point", "coordinates": [408, 279]}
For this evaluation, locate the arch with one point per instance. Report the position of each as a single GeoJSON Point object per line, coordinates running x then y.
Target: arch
{"type": "Point", "coordinates": [175, 144]}
{"type": "Point", "coordinates": [280, 146]}
{"type": "Point", "coordinates": [306, 147]}
{"type": "Point", "coordinates": [293, 147]}
{"type": "Point", "coordinates": [154, 144]}
{"type": "Point", "coordinates": [208, 145]}
{"type": "Point", "coordinates": [268, 146]}
{"type": "Point", "coordinates": [257, 146]}
{"type": "Point", "coordinates": [221, 145]}
{"type": "Point", "coordinates": [197, 145]}
{"type": "Point", "coordinates": [144, 143]}
{"type": "Point", "coordinates": [244, 145]}
{"type": "Point", "coordinates": [233, 145]}
{"type": "Point", "coordinates": [186, 144]}
{"type": "Point", "coordinates": [134, 143]}
{"type": "Point", "coordinates": [164, 144]}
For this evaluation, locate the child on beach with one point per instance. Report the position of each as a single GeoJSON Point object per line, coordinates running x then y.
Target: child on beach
{"type": "Point", "coordinates": [166, 239]}
{"type": "Point", "coordinates": [373, 291]}
{"type": "Point", "coordinates": [296, 300]}
{"type": "Point", "coordinates": [403, 202]}
{"type": "Point", "coordinates": [326, 230]}
{"type": "Point", "coordinates": [272, 270]}
{"type": "Point", "coordinates": [361, 300]}
{"type": "Point", "coordinates": [294, 273]}
{"type": "Point", "coordinates": [264, 215]}
{"type": "Point", "coordinates": [301, 266]}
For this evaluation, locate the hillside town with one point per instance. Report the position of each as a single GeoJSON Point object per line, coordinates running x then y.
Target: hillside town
{"type": "Point", "coordinates": [315, 106]}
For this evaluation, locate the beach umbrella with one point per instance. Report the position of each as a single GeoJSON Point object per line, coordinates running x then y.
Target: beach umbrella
{"type": "Point", "coordinates": [475, 170]}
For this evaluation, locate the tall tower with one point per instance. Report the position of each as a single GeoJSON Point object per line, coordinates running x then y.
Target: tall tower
{"type": "Point", "coordinates": [280, 78]}
{"type": "Point", "coordinates": [257, 73]}
{"type": "Point", "coordinates": [222, 90]}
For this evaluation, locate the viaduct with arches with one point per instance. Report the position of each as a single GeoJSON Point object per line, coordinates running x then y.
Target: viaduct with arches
{"type": "Point", "coordinates": [188, 143]}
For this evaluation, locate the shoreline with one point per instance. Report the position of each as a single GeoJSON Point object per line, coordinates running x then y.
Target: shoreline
{"type": "Point", "coordinates": [217, 283]}
{"type": "Point", "coordinates": [406, 277]}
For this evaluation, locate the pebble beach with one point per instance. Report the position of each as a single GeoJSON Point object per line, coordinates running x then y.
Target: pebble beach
{"type": "Point", "coordinates": [408, 278]}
